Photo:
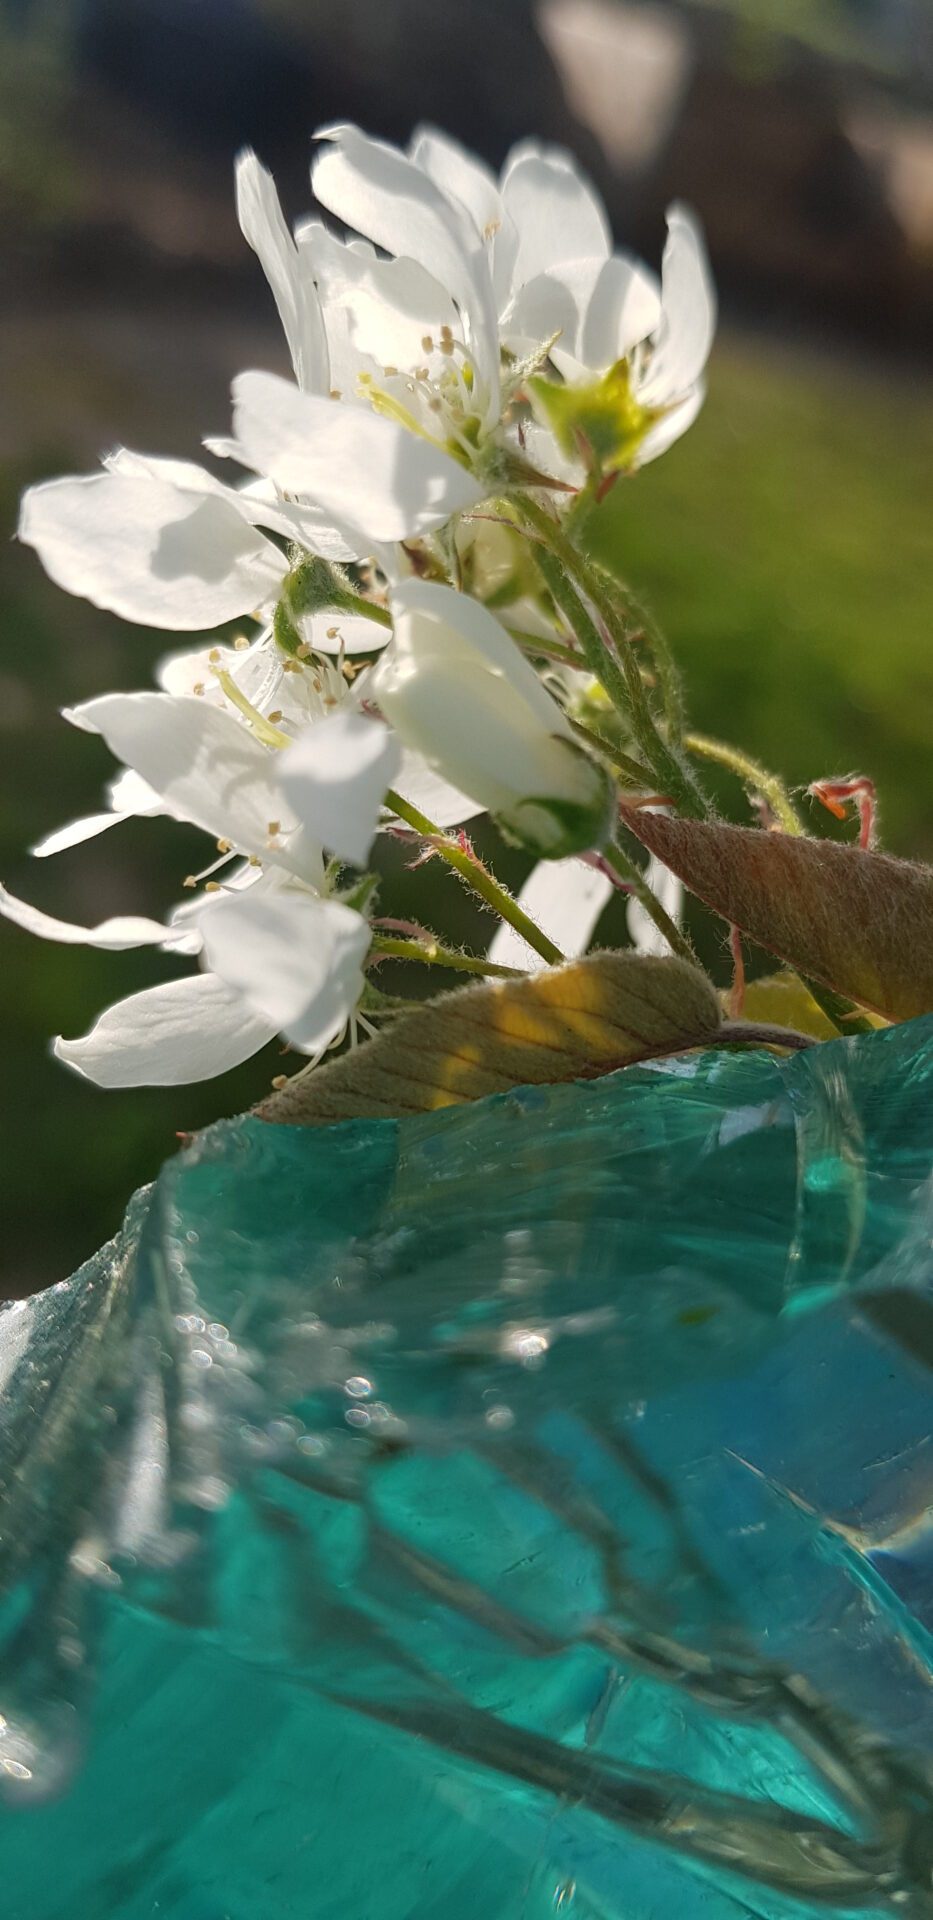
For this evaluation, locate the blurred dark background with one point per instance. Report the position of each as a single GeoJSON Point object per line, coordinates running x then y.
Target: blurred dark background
{"type": "Point", "coordinates": [784, 544]}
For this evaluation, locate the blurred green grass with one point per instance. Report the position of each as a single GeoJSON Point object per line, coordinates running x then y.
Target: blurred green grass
{"type": "Point", "coordinates": [785, 547]}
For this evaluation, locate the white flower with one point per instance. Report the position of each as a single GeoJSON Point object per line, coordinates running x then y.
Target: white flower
{"type": "Point", "coordinates": [289, 963]}
{"type": "Point", "coordinates": [282, 960]}
{"type": "Point", "coordinates": [632, 354]}
{"type": "Point", "coordinates": [378, 190]}
{"type": "Point", "coordinates": [163, 543]}
{"type": "Point", "coordinates": [528, 265]}
{"type": "Point", "coordinates": [461, 694]}
{"type": "Point", "coordinates": [208, 769]}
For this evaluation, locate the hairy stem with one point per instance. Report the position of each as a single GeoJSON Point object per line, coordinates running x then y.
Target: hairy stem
{"type": "Point", "coordinates": [635, 881]}
{"type": "Point", "coordinates": [629, 772]}
{"type": "Point", "coordinates": [572, 582]}
{"type": "Point", "coordinates": [432, 954]}
{"type": "Point", "coordinates": [476, 878]}
{"type": "Point", "coordinates": [754, 775]}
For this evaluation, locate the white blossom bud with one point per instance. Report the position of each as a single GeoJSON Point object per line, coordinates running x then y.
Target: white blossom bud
{"type": "Point", "coordinates": [459, 692]}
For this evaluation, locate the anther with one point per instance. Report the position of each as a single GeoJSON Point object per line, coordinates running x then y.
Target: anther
{"type": "Point", "coordinates": [214, 655]}
{"type": "Point", "coordinates": [276, 716]}
{"type": "Point", "coordinates": [332, 633]}
{"type": "Point", "coordinates": [274, 827]}
{"type": "Point", "coordinates": [279, 1080]}
{"type": "Point", "coordinates": [212, 886]}
{"type": "Point", "coordinates": [224, 846]}
{"type": "Point", "coordinates": [198, 687]}
{"type": "Point", "coordinates": [427, 343]}
{"type": "Point", "coordinates": [191, 880]}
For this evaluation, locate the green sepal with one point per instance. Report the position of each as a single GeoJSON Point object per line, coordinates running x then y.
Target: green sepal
{"type": "Point", "coordinates": [361, 896]}
{"type": "Point", "coordinates": [602, 419]}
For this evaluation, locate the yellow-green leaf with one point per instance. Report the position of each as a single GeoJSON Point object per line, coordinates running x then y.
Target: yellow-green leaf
{"type": "Point", "coordinates": [862, 923]}
{"type": "Point", "coordinates": [782, 1000]}
{"type": "Point", "coordinates": [566, 1023]}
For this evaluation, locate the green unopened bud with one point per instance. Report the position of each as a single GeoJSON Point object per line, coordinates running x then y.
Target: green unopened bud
{"type": "Point", "coordinates": [601, 416]}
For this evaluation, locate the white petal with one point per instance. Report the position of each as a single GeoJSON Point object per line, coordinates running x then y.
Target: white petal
{"type": "Point", "coordinates": [670, 426]}
{"type": "Point", "coordinates": [296, 959]}
{"type": "Point", "coordinates": [433, 796]}
{"type": "Point", "coordinates": [263, 225]}
{"type": "Point", "coordinates": [373, 187]}
{"type": "Point", "coordinates": [688, 314]}
{"type": "Point", "coordinates": [128, 797]}
{"type": "Point", "coordinates": [377, 190]}
{"type": "Point", "coordinates": [557, 214]}
{"type": "Point", "coordinates": [334, 779]}
{"type": "Point", "coordinates": [666, 887]}
{"type": "Point", "coordinates": [555, 301]}
{"type": "Point", "coordinates": [256, 501]}
{"type": "Point", "coordinates": [129, 793]}
{"type": "Point", "coordinates": [460, 693]}
{"type": "Point", "coordinates": [257, 671]}
{"type": "Point", "coordinates": [125, 930]}
{"type": "Point", "coordinates": [565, 899]}
{"type": "Point", "coordinates": [76, 831]}
{"type": "Point", "coordinates": [347, 633]}
{"type": "Point", "coordinates": [460, 176]}
{"type": "Point", "coordinates": [390, 305]}
{"type": "Point", "coordinates": [462, 622]}
{"type": "Point", "coordinates": [151, 551]}
{"type": "Point", "coordinates": [624, 309]}
{"type": "Point", "coordinates": [207, 766]}
{"type": "Point", "coordinates": [168, 1036]}
{"type": "Point", "coordinates": [370, 473]}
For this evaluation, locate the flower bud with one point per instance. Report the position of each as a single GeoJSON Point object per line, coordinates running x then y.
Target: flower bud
{"type": "Point", "coordinates": [459, 692]}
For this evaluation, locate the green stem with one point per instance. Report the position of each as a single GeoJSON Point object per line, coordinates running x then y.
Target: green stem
{"type": "Point", "coordinates": [356, 603]}
{"type": "Point", "coordinates": [434, 955]}
{"type": "Point", "coordinates": [647, 630]}
{"type": "Point", "coordinates": [568, 576]}
{"type": "Point", "coordinates": [634, 879]}
{"type": "Point", "coordinates": [477, 878]}
{"type": "Point", "coordinates": [547, 649]}
{"type": "Point", "coordinates": [767, 784]}
{"type": "Point", "coordinates": [629, 771]}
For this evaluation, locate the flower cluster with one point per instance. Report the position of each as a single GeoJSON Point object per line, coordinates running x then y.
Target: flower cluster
{"type": "Point", "coordinates": [424, 638]}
